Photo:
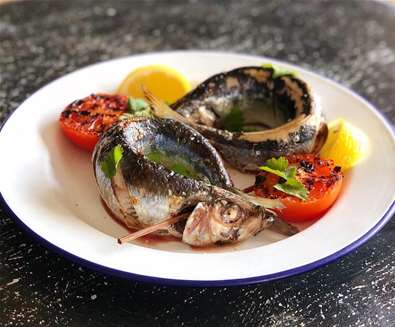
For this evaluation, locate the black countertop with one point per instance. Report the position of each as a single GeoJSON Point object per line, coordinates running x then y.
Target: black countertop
{"type": "Point", "coordinates": [352, 42]}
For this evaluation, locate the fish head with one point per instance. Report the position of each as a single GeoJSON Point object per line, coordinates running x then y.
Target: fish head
{"type": "Point", "coordinates": [225, 221]}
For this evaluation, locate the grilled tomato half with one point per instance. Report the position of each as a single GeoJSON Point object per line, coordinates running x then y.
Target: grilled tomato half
{"type": "Point", "coordinates": [321, 178]}
{"type": "Point", "coordinates": [84, 120]}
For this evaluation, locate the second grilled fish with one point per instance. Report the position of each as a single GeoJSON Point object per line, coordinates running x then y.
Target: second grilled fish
{"type": "Point", "coordinates": [250, 114]}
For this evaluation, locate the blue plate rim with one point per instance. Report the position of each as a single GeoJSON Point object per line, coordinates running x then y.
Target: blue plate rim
{"type": "Point", "coordinates": [227, 282]}
{"type": "Point", "coordinates": [204, 283]}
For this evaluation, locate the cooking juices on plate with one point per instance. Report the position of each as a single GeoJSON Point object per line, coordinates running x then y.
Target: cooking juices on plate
{"type": "Point", "coordinates": [158, 170]}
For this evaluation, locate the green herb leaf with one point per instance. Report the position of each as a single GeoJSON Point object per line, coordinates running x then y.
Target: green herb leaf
{"type": "Point", "coordinates": [139, 107]}
{"type": "Point", "coordinates": [277, 163]}
{"type": "Point", "coordinates": [291, 172]}
{"type": "Point", "coordinates": [297, 191]}
{"type": "Point", "coordinates": [234, 121]}
{"type": "Point", "coordinates": [181, 169]}
{"type": "Point", "coordinates": [155, 156]}
{"type": "Point", "coordinates": [279, 71]}
{"type": "Point", "coordinates": [170, 162]}
{"type": "Point", "coordinates": [274, 171]}
{"type": "Point", "coordinates": [292, 186]}
{"type": "Point", "coordinates": [176, 164]}
{"type": "Point", "coordinates": [111, 162]}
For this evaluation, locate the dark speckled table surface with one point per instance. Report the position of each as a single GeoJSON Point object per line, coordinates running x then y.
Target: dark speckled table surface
{"type": "Point", "coordinates": [352, 42]}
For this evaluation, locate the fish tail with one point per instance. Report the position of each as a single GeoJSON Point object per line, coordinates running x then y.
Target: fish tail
{"type": "Point", "coordinates": [161, 109]}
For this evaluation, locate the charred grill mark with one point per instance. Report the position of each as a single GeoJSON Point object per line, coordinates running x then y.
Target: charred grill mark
{"type": "Point", "coordinates": [307, 166]}
{"type": "Point", "coordinates": [96, 111]}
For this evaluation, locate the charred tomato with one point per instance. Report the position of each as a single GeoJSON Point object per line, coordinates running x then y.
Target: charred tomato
{"type": "Point", "coordinates": [322, 179]}
{"type": "Point", "coordinates": [84, 120]}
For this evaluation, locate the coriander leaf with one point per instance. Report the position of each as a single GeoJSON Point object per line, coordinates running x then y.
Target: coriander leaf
{"type": "Point", "coordinates": [155, 156]}
{"type": "Point", "coordinates": [234, 121]}
{"type": "Point", "coordinates": [294, 182]}
{"type": "Point", "coordinates": [274, 171]}
{"type": "Point", "coordinates": [292, 186]}
{"type": "Point", "coordinates": [111, 162]}
{"type": "Point", "coordinates": [277, 164]}
{"type": "Point", "coordinates": [181, 169]}
{"type": "Point", "coordinates": [137, 104]}
{"type": "Point", "coordinates": [278, 71]}
{"type": "Point", "coordinates": [267, 65]}
{"type": "Point", "coordinates": [176, 164]}
{"type": "Point", "coordinates": [291, 172]}
{"type": "Point", "coordinates": [138, 107]}
{"type": "Point", "coordinates": [298, 191]}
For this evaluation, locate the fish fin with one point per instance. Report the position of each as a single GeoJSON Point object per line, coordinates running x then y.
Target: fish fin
{"type": "Point", "coordinates": [149, 230]}
{"type": "Point", "coordinates": [264, 202]}
{"type": "Point", "coordinates": [197, 231]}
{"type": "Point", "coordinates": [161, 109]}
{"type": "Point", "coordinates": [282, 227]}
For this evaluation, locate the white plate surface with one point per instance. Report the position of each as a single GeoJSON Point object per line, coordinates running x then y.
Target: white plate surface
{"type": "Point", "coordinates": [48, 184]}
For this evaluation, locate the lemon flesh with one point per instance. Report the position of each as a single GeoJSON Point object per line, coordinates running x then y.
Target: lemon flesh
{"type": "Point", "coordinates": [346, 144]}
{"type": "Point", "coordinates": [164, 82]}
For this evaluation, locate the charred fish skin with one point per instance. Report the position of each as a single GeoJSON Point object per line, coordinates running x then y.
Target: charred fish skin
{"type": "Point", "coordinates": [203, 104]}
{"type": "Point", "coordinates": [248, 156]}
{"type": "Point", "coordinates": [295, 124]}
{"type": "Point", "coordinates": [142, 192]}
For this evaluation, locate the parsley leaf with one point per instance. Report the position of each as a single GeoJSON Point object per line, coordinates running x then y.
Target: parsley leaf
{"type": "Point", "coordinates": [176, 164]}
{"type": "Point", "coordinates": [234, 121]}
{"type": "Point", "coordinates": [170, 162]}
{"type": "Point", "coordinates": [278, 71]}
{"type": "Point", "coordinates": [292, 186]}
{"type": "Point", "coordinates": [181, 169]}
{"type": "Point", "coordinates": [298, 191]}
{"type": "Point", "coordinates": [111, 162]}
{"type": "Point", "coordinates": [277, 164]}
{"type": "Point", "coordinates": [138, 107]}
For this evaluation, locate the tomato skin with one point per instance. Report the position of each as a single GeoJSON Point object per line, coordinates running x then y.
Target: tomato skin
{"type": "Point", "coordinates": [324, 185]}
{"type": "Point", "coordinates": [83, 121]}
{"type": "Point", "coordinates": [297, 211]}
{"type": "Point", "coordinates": [84, 141]}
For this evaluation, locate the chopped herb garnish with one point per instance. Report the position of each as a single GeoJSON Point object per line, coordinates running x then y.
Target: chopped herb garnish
{"type": "Point", "coordinates": [291, 185]}
{"type": "Point", "coordinates": [155, 156]}
{"type": "Point", "coordinates": [111, 162]}
{"type": "Point", "coordinates": [278, 71]}
{"type": "Point", "coordinates": [234, 121]}
{"type": "Point", "coordinates": [138, 107]}
{"type": "Point", "coordinates": [174, 163]}
{"type": "Point", "coordinates": [181, 169]}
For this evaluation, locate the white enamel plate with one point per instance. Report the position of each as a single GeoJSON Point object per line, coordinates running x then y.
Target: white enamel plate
{"type": "Point", "coordinates": [48, 185]}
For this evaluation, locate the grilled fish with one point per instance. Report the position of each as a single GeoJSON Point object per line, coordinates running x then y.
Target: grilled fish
{"type": "Point", "coordinates": [249, 114]}
{"type": "Point", "coordinates": [168, 168]}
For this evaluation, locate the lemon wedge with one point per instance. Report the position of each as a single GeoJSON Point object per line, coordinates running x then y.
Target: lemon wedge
{"type": "Point", "coordinates": [164, 82]}
{"type": "Point", "coordinates": [346, 144]}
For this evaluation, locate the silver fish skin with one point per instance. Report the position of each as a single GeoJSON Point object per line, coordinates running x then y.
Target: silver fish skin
{"type": "Point", "coordinates": [286, 116]}
{"type": "Point", "coordinates": [144, 193]}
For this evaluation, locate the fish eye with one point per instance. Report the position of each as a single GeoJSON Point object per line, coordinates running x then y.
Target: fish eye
{"type": "Point", "coordinates": [231, 213]}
